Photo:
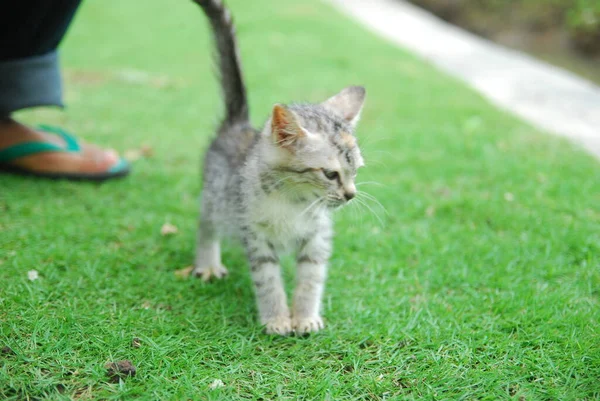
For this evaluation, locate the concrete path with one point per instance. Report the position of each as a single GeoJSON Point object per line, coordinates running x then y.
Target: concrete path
{"type": "Point", "coordinates": [547, 97]}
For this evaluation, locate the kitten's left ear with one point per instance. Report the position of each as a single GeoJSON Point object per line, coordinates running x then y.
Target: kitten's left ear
{"type": "Point", "coordinates": [348, 103]}
{"type": "Point", "coordinates": [285, 130]}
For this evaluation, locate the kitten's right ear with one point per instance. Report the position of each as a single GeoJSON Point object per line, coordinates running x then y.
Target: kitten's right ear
{"type": "Point", "coordinates": [284, 127]}
{"type": "Point", "coordinates": [348, 103]}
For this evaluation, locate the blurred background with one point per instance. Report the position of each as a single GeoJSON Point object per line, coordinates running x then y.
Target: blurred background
{"type": "Point", "coordinates": [562, 32]}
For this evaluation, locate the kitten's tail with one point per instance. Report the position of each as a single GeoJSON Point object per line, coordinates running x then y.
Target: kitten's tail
{"type": "Point", "coordinates": [232, 82]}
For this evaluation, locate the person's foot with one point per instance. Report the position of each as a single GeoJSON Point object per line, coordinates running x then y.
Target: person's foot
{"type": "Point", "coordinates": [90, 160]}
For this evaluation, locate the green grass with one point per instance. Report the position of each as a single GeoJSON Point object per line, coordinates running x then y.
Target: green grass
{"type": "Point", "coordinates": [483, 281]}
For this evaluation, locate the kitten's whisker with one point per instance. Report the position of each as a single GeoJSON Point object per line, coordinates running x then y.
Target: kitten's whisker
{"type": "Point", "coordinates": [380, 152]}
{"type": "Point", "coordinates": [371, 210]}
{"type": "Point", "coordinates": [355, 207]}
{"type": "Point", "coordinates": [287, 177]}
{"type": "Point", "coordinates": [360, 204]}
{"type": "Point", "coordinates": [310, 206]}
{"type": "Point", "coordinates": [370, 197]}
{"type": "Point", "coordinates": [358, 184]}
{"type": "Point", "coordinates": [369, 140]}
{"type": "Point", "coordinates": [374, 161]}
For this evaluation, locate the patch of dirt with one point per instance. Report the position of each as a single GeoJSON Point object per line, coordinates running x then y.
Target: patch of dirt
{"type": "Point", "coordinates": [116, 371]}
{"type": "Point", "coordinates": [7, 351]}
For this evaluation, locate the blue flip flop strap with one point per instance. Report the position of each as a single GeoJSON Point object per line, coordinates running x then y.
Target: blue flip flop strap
{"type": "Point", "coordinates": [72, 145]}
{"type": "Point", "coordinates": [26, 149]}
{"type": "Point", "coordinates": [31, 148]}
{"type": "Point", "coordinates": [121, 165]}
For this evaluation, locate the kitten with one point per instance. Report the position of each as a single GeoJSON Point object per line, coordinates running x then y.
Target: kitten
{"type": "Point", "coordinates": [276, 189]}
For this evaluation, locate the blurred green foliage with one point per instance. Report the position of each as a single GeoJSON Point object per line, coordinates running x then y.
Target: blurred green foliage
{"type": "Point", "coordinates": [583, 24]}
{"type": "Point", "coordinates": [579, 19]}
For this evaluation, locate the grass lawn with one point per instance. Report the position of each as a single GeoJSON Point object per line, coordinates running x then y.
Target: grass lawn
{"type": "Point", "coordinates": [481, 282]}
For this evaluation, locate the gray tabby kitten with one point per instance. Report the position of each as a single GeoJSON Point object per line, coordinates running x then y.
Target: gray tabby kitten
{"type": "Point", "coordinates": [276, 189]}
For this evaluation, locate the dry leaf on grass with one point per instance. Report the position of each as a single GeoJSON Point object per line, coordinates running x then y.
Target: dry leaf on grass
{"type": "Point", "coordinates": [185, 272]}
{"type": "Point", "coordinates": [132, 155]}
{"type": "Point", "coordinates": [145, 151]}
{"type": "Point", "coordinates": [216, 384]}
{"type": "Point", "coordinates": [168, 229]}
{"type": "Point", "coordinates": [33, 275]}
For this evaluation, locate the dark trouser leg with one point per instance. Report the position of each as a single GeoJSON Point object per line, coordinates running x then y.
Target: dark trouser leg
{"type": "Point", "coordinates": [30, 31]}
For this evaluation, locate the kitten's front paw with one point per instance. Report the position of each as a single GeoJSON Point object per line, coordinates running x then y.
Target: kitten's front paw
{"type": "Point", "coordinates": [209, 272]}
{"type": "Point", "coordinates": [281, 325]}
{"type": "Point", "coordinates": [305, 325]}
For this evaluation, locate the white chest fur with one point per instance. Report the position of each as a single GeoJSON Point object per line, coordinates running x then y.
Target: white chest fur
{"type": "Point", "coordinates": [285, 222]}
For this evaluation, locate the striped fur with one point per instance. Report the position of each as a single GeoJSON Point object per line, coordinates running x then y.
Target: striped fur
{"type": "Point", "coordinates": [275, 189]}
{"type": "Point", "coordinates": [230, 70]}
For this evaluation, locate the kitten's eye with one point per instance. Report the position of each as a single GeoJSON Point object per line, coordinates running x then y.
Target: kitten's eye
{"type": "Point", "coordinates": [331, 175]}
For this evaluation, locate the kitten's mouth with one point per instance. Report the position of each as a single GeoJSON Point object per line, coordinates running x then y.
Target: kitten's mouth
{"type": "Point", "coordinates": [336, 203]}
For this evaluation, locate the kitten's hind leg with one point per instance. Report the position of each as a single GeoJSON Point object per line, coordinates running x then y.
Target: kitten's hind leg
{"type": "Point", "coordinates": [208, 253]}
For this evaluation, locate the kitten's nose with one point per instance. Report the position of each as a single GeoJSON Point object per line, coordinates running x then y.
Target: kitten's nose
{"type": "Point", "coordinates": [349, 195]}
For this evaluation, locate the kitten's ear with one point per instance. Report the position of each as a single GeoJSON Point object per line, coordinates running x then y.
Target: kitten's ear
{"type": "Point", "coordinates": [284, 127]}
{"type": "Point", "coordinates": [348, 103]}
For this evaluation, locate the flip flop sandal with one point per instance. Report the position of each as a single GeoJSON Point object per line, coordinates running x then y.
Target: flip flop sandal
{"type": "Point", "coordinates": [119, 169]}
